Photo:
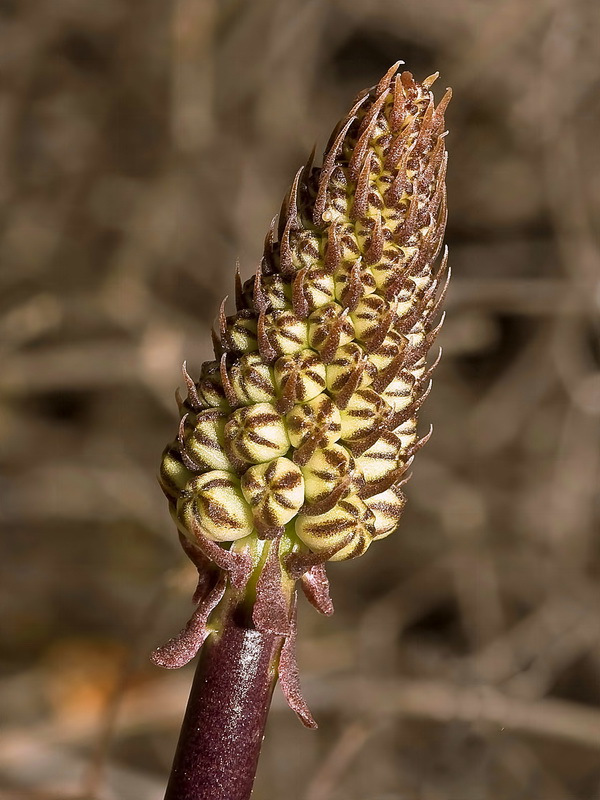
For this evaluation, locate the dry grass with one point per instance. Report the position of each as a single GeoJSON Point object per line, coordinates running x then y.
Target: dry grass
{"type": "Point", "coordinates": [144, 145]}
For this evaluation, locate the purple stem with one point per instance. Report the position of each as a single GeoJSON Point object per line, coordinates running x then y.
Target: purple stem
{"type": "Point", "coordinates": [223, 727]}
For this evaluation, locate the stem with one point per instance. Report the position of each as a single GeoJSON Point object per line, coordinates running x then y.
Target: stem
{"type": "Point", "coordinates": [223, 728]}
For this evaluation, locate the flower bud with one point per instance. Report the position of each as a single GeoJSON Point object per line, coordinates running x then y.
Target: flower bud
{"type": "Point", "coordinates": [317, 288]}
{"type": "Point", "coordinates": [398, 394]}
{"type": "Point", "coordinates": [274, 491]}
{"type": "Point", "coordinates": [387, 508]}
{"type": "Point", "coordinates": [380, 460]}
{"type": "Point", "coordinates": [240, 333]}
{"type": "Point", "coordinates": [174, 475]}
{"type": "Point", "coordinates": [210, 386]}
{"type": "Point", "coordinates": [407, 433]}
{"type": "Point", "coordinates": [388, 352]}
{"type": "Point", "coordinates": [299, 377]}
{"type": "Point", "coordinates": [347, 529]}
{"type": "Point", "coordinates": [308, 416]}
{"type": "Point", "coordinates": [277, 292]}
{"type": "Point", "coordinates": [285, 332]}
{"type": "Point", "coordinates": [364, 415]}
{"type": "Point", "coordinates": [214, 501]}
{"type": "Point", "coordinates": [256, 433]}
{"type": "Point", "coordinates": [353, 279]}
{"type": "Point", "coordinates": [329, 328]}
{"type": "Point", "coordinates": [317, 422]}
{"type": "Point", "coordinates": [369, 316]}
{"type": "Point", "coordinates": [344, 365]}
{"type": "Point", "coordinates": [252, 380]}
{"type": "Point", "coordinates": [302, 429]}
{"type": "Point", "coordinates": [203, 440]}
{"type": "Point", "coordinates": [324, 470]}
{"type": "Point", "coordinates": [305, 246]}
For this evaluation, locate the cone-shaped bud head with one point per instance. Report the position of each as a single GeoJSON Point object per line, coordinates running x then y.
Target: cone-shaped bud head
{"type": "Point", "coordinates": [305, 424]}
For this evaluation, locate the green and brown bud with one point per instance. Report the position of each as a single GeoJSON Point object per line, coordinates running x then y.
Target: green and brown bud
{"type": "Point", "coordinates": [304, 426]}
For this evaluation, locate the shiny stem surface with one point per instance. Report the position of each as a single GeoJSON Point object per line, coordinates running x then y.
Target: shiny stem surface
{"type": "Point", "coordinates": [222, 732]}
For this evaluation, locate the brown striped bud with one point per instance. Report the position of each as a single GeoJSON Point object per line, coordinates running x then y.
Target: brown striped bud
{"type": "Point", "coordinates": [204, 441]}
{"type": "Point", "coordinates": [348, 365]}
{"type": "Point", "coordinates": [210, 386]}
{"type": "Point", "coordinates": [316, 288]}
{"type": "Point", "coordinates": [239, 334]}
{"type": "Point", "coordinates": [274, 491]}
{"type": "Point", "coordinates": [324, 471]}
{"type": "Point", "coordinates": [173, 474]}
{"type": "Point", "coordinates": [329, 328]}
{"type": "Point", "coordinates": [381, 461]}
{"type": "Point", "coordinates": [255, 434]}
{"type": "Point", "coordinates": [407, 433]}
{"type": "Point", "coordinates": [277, 292]}
{"type": "Point", "coordinates": [398, 394]}
{"type": "Point", "coordinates": [353, 280]}
{"type": "Point", "coordinates": [304, 246]}
{"type": "Point", "coordinates": [346, 530]}
{"type": "Point", "coordinates": [214, 501]}
{"type": "Point", "coordinates": [387, 508]}
{"type": "Point", "coordinates": [299, 377]}
{"type": "Point", "coordinates": [285, 333]}
{"type": "Point", "coordinates": [371, 317]}
{"type": "Point", "coordinates": [388, 352]}
{"type": "Point", "coordinates": [252, 380]}
{"type": "Point", "coordinates": [314, 424]}
{"type": "Point", "coordinates": [364, 415]}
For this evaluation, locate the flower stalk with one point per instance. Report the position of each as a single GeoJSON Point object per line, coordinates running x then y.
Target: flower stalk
{"type": "Point", "coordinates": [224, 723]}
{"type": "Point", "coordinates": [295, 441]}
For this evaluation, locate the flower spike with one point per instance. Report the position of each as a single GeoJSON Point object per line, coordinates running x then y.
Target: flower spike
{"type": "Point", "coordinates": [295, 443]}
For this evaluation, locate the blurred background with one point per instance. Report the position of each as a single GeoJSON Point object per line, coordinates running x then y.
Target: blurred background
{"type": "Point", "coordinates": [144, 145]}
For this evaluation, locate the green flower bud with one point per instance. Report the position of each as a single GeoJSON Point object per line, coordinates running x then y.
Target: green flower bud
{"type": "Point", "coordinates": [274, 491]}
{"type": "Point", "coordinates": [285, 332]}
{"type": "Point", "coordinates": [252, 380]}
{"type": "Point", "coordinates": [387, 508]}
{"type": "Point", "coordinates": [299, 377]}
{"type": "Point", "coordinates": [215, 502]}
{"type": "Point", "coordinates": [324, 470]}
{"type": "Point", "coordinates": [348, 529]}
{"type": "Point", "coordinates": [174, 475]}
{"type": "Point", "coordinates": [256, 433]}
{"type": "Point", "coordinates": [314, 424]}
{"type": "Point", "coordinates": [204, 440]}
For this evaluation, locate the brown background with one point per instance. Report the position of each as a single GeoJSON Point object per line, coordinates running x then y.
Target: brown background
{"type": "Point", "coordinates": [144, 144]}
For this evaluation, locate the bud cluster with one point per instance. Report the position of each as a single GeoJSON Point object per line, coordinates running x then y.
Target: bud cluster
{"type": "Point", "coordinates": [305, 423]}
{"type": "Point", "coordinates": [295, 441]}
